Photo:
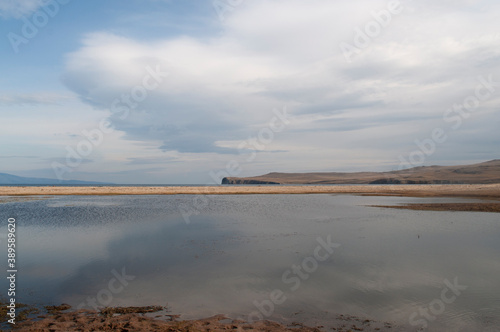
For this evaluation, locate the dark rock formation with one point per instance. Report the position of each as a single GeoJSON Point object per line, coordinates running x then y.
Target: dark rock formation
{"type": "Point", "coordinates": [243, 181]}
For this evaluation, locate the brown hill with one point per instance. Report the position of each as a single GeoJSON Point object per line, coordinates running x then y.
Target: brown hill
{"type": "Point", "coordinates": [483, 173]}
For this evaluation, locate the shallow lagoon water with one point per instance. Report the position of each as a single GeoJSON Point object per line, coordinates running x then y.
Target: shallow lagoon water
{"type": "Point", "coordinates": [391, 265]}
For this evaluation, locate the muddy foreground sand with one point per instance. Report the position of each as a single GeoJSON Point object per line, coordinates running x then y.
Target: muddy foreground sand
{"type": "Point", "coordinates": [86, 321]}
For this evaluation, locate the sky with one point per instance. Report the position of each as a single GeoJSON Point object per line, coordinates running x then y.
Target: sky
{"type": "Point", "coordinates": [189, 91]}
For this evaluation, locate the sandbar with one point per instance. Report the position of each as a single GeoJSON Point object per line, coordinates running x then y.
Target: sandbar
{"type": "Point", "coordinates": [484, 191]}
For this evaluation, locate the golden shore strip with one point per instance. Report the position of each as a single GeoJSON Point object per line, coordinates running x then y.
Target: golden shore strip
{"type": "Point", "coordinates": [484, 191]}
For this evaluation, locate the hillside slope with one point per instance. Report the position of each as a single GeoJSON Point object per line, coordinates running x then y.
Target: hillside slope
{"type": "Point", "coordinates": [9, 179]}
{"type": "Point", "coordinates": [483, 173]}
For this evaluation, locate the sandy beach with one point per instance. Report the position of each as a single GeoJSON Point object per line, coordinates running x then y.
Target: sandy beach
{"type": "Point", "coordinates": [484, 191]}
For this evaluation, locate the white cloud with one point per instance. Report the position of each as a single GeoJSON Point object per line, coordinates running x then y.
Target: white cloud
{"type": "Point", "coordinates": [275, 53]}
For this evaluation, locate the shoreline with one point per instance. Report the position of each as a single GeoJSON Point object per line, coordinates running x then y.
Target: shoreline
{"type": "Point", "coordinates": [481, 191]}
{"type": "Point", "coordinates": [485, 192]}
{"type": "Point", "coordinates": [157, 318]}
{"type": "Point", "coordinates": [463, 207]}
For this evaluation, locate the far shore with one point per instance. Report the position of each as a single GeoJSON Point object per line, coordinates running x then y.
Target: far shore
{"type": "Point", "coordinates": [481, 191]}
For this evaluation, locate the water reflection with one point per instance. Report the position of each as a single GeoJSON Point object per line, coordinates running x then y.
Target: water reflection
{"type": "Point", "coordinates": [391, 263]}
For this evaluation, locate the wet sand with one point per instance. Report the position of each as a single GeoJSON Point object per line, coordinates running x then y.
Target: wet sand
{"type": "Point", "coordinates": [464, 207]}
{"type": "Point", "coordinates": [483, 191]}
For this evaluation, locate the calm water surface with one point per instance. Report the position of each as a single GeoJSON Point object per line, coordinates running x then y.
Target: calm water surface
{"type": "Point", "coordinates": [391, 265]}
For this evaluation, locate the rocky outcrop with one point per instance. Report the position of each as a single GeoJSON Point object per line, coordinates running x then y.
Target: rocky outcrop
{"type": "Point", "coordinates": [243, 181]}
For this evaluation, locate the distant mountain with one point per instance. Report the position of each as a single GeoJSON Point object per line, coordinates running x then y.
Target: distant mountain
{"type": "Point", "coordinates": [483, 173]}
{"type": "Point", "coordinates": [13, 179]}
